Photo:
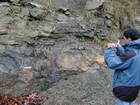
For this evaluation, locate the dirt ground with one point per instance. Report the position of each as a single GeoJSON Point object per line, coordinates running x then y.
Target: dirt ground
{"type": "Point", "coordinates": [92, 87]}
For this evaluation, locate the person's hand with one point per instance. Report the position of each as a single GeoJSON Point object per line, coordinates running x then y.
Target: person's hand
{"type": "Point", "coordinates": [118, 46]}
{"type": "Point", "coordinates": [114, 45]}
{"type": "Point", "coordinates": [111, 45]}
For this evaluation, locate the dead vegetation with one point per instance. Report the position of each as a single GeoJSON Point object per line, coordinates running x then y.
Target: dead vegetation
{"type": "Point", "coordinates": [10, 99]}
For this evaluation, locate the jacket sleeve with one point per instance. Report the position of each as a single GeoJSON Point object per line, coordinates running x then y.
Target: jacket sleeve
{"type": "Point", "coordinates": [119, 51]}
{"type": "Point", "coordinates": [114, 62]}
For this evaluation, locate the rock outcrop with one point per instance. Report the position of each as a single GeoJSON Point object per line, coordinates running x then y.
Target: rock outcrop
{"type": "Point", "coordinates": [41, 44]}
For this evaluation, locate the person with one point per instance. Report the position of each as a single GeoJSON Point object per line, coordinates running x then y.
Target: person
{"type": "Point", "coordinates": [125, 61]}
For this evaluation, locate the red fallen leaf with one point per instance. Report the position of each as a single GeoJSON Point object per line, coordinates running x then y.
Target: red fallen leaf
{"type": "Point", "coordinates": [9, 99]}
{"type": "Point", "coordinates": [12, 103]}
{"type": "Point", "coordinates": [3, 98]}
{"type": "Point", "coordinates": [20, 99]}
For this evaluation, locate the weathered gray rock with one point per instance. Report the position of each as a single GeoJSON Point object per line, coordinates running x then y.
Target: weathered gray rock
{"type": "Point", "coordinates": [25, 11]}
{"type": "Point", "coordinates": [2, 47]}
{"type": "Point", "coordinates": [5, 39]}
{"type": "Point", "coordinates": [37, 13]}
{"type": "Point", "coordinates": [4, 4]}
{"type": "Point", "coordinates": [14, 0]}
{"type": "Point", "coordinates": [29, 37]}
{"type": "Point", "coordinates": [137, 21]}
{"type": "Point", "coordinates": [25, 75]}
{"type": "Point", "coordinates": [62, 17]}
{"type": "Point", "coordinates": [90, 5]}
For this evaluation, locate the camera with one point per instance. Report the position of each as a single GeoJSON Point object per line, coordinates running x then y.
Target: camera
{"type": "Point", "coordinates": [115, 45]}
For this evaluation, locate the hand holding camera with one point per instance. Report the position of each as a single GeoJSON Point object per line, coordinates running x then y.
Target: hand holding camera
{"type": "Point", "coordinates": [114, 45]}
{"type": "Point", "coordinates": [117, 44]}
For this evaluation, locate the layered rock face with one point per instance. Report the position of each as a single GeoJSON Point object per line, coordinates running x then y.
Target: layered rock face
{"type": "Point", "coordinates": [42, 44]}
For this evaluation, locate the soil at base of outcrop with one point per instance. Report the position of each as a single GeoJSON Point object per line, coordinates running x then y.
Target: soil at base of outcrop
{"type": "Point", "coordinates": [92, 87]}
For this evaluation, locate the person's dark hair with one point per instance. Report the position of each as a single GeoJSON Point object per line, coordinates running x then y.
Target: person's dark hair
{"type": "Point", "coordinates": [132, 33]}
